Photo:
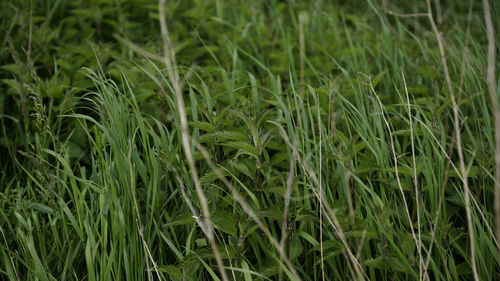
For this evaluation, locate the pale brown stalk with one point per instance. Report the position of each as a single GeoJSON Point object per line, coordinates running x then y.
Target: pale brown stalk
{"type": "Point", "coordinates": [188, 203]}
{"type": "Point", "coordinates": [329, 212]}
{"type": "Point", "coordinates": [441, 198]}
{"type": "Point", "coordinates": [173, 75]}
{"type": "Point", "coordinates": [456, 121]}
{"type": "Point", "coordinates": [390, 12]}
{"type": "Point", "coordinates": [421, 267]}
{"type": "Point", "coordinates": [285, 224]}
{"type": "Point", "coordinates": [398, 180]}
{"type": "Point", "coordinates": [140, 228]}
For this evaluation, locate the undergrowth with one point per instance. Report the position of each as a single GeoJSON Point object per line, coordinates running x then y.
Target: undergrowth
{"type": "Point", "coordinates": [322, 136]}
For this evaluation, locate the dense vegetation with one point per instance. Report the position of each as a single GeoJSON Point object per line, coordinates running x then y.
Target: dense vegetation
{"type": "Point", "coordinates": [326, 140]}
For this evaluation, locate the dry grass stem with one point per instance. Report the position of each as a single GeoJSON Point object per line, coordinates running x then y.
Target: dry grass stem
{"type": "Point", "coordinates": [456, 120]}
{"type": "Point", "coordinates": [169, 60]}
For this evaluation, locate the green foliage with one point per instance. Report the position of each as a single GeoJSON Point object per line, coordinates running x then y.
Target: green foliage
{"type": "Point", "coordinates": [92, 169]}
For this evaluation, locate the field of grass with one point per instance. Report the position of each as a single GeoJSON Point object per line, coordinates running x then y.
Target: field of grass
{"type": "Point", "coordinates": [249, 140]}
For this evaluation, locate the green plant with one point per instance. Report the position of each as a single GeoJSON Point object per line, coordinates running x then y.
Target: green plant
{"type": "Point", "coordinates": [299, 140]}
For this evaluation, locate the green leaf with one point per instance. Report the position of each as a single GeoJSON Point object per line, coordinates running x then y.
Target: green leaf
{"type": "Point", "coordinates": [89, 258]}
{"type": "Point", "coordinates": [377, 78]}
{"type": "Point", "coordinates": [41, 207]}
{"type": "Point", "coordinates": [330, 248]}
{"type": "Point", "coordinates": [213, 176]}
{"type": "Point", "coordinates": [295, 247]}
{"type": "Point", "coordinates": [171, 270]}
{"type": "Point", "coordinates": [14, 85]}
{"type": "Point", "coordinates": [473, 173]}
{"type": "Point", "coordinates": [225, 222]}
{"type": "Point", "coordinates": [74, 150]}
{"type": "Point", "coordinates": [407, 244]}
{"type": "Point", "coordinates": [274, 212]}
{"type": "Point", "coordinates": [202, 125]}
{"type": "Point", "coordinates": [14, 68]}
{"type": "Point", "coordinates": [181, 220]}
{"type": "Point", "coordinates": [201, 242]}
{"type": "Point", "coordinates": [244, 166]}
{"type": "Point", "coordinates": [224, 136]}
{"type": "Point", "coordinates": [244, 147]}
{"type": "Point", "coordinates": [387, 262]}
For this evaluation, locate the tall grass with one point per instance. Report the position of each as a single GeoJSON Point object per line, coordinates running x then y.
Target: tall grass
{"type": "Point", "coordinates": [274, 141]}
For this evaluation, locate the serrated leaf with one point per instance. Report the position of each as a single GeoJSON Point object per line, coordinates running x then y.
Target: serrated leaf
{"type": "Point", "coordinates": [244, 167]}
{"type": "Point", "coordinates": [212, 176]}
{"type": "Point", "coordinates": [225, 222]}
{"type": "Point", "coordinates": [202, 125]}
{"type": "Point", "coordinates": [250, 125]}
{"type": "Point", "coordinates": [244, 147]}
{"type": "Point", "coordinates": [224, 136]}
